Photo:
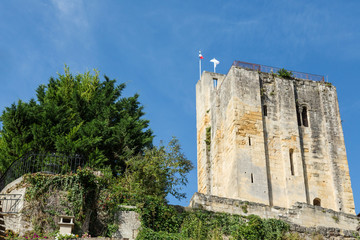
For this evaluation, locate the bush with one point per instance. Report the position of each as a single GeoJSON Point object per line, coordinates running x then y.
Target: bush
{"type": "Point", "coordinates": [158, 216]}
{"type": "Point", "coordinates": [203, 225]}
{"type": "Point", "coordinates": [285, 73]}
{"type": "Point", "coordinates": [149, 234]}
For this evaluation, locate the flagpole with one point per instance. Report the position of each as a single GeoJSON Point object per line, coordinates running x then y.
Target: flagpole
{"type": "Point", "coordinates": [200, 68]}
{"type": "Point", "coordinates": [199, 65]}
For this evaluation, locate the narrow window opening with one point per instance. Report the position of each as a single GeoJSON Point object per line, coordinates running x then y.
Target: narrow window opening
{"type": "Point", "coordinates": [304, 117]}
{"type": "Point", "coordinates": [317, 202]}
{"type": "Point", "coordinates": [215, 82]}
{"type": "Point", "coordinates": [252, 178]}
{"type": "Point", "coordinates": [298, 115]}
{"type": "Point", "coordinates": [291, 153]}
{"type": "Point", "coordinates": [265, 110]}
{"type": "Point", "coordinates": [249, 141]}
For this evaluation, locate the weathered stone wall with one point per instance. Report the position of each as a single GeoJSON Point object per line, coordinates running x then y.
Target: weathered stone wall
{"type": "Point", "coordinates": [302, 217]}
{"type": "Point", "coordinates": [129, 223]}
{"type": "Point", "coordinates": [17, 222]}
{"type": "Point", "coordinates": [203, 88]}
{"type": "Point", "coordinates": [282, 136]}
{"type": "Point", "coordinates": [272, 140]}
{"type": "Point", "coordinates": [127, 219]}
{"type": "Point", "coordinates": [236, 121]}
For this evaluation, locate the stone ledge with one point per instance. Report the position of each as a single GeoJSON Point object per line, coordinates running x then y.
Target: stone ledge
{"type": "Point", "coordinates": [303, 218]}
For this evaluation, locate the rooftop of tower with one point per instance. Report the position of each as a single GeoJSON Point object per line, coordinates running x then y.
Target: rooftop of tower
{"type": "Point", "coordinates": [268, 69]}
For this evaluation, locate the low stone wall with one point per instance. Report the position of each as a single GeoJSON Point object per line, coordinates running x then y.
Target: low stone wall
{"type": "Point", "coordinates": [303, 218]}
{"type": "Point", "coordinates": [16, 221]}
{"type": "Point", "coordinates": [326, 233]}
{"type": "Point", "coordinates": [128, 219]}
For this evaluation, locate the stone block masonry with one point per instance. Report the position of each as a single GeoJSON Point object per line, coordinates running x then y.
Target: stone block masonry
{"type": "Point", "coordinates": [302, 217]}
{"type": "Point", "coordinates": [127, 218]}
{"type": "Point", "coordinates": [269, 140]}
{"type": "Point", "coordinates": [129, 223]}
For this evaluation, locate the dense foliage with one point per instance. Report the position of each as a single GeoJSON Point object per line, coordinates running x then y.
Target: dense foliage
{"type": "Point", "coordinates": [95, 198]}
{"type": "Point", "coordinates": [72, 194]}
{"type": "Point", "coordinates": [76, 115]}
{"type": "Point", "coordinates": [161, 221]}
{"type": "Point", "coordinates": [158, 172]}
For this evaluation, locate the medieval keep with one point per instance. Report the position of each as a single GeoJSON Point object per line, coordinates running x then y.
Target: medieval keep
{"type": "Point", "coordinates": [271, 140]}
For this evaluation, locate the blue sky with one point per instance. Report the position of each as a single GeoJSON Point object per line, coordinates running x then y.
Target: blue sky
{"type": "Point", "coordinates": [153, 47]}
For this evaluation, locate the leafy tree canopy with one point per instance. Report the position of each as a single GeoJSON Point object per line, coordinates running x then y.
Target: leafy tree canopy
{"type": "Point", "coordinates": [158, 172]}
{"type": "Point", "coordinates": [77, 115]}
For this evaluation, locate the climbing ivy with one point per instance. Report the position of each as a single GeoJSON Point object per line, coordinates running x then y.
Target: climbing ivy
{"type": "Point", "coordinates": [98, 196]}
{"type": "Point", "coordinates": [161, 221]}
{"type": "Point", "coordinates": [208, 138]}
{"type": "Point", "coordinates": [77, 194]}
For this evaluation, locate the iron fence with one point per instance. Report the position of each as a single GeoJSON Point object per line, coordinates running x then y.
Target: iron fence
{"type": "Point", "coordinates": [45, 163]}
{"type": "Point", "coordinates": [267, 69]}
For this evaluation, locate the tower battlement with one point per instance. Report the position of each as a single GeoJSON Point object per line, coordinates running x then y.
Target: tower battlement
{"type": "Point", "coordinates": [270, 140]}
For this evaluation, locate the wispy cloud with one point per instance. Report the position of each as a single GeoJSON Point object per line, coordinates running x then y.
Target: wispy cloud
{"type": "Point", "coordinates": [70, 30]}
{"type": "Point", "coordinates": [71, 13]}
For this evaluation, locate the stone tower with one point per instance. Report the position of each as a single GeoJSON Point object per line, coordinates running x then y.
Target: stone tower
{"type": "Point", "coordinates": [270, 140]}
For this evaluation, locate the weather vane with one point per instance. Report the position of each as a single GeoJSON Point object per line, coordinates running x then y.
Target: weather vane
{"type": "Point", "coordinates": [216, 62]}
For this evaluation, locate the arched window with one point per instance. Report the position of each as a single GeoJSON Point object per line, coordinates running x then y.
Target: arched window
{"type": "Point", "coordinates": [302, 116]}
{"type": "Point", "coordinates": [317, 202]}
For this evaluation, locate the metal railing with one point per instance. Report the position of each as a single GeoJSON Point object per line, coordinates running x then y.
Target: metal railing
{"type": "Point", "coordinates": [267, 69]}
{"type": "Point", "coordinates": [10, 203]}
{"type": "Point", "coordinates": [45, 163]}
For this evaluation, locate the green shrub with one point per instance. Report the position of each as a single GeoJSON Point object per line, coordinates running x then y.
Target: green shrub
{"type": "Point", "coordinates": [285, 73]}
{"type": "Point", "coordinates": [149, 234]}
{"type": "Point", "coordinates": [244, 208]}
{"type": "Point", "coordinates": [274, 228]}
{"type": "Point", "coordinates": [158, 216]}
{"type": "Point", "coordinates": [204, 225]}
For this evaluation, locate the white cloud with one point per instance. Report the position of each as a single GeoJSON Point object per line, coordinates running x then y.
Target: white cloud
{"type": "Point", "coordinates": [70, 32]}
{"type": "Point", "coordinates": [72, 11]}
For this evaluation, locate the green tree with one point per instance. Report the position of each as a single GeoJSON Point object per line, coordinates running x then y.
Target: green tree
{"type": "Point", "coordinates": [157, 172]}
{"type": "Point", "coordinates": [76, 115]}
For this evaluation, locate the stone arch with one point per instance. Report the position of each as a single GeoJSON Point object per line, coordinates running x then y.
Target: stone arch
{"type": "Point", "coordinates": [317, 202]}
{"type": "Point", "coordinates": [304, 116]}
